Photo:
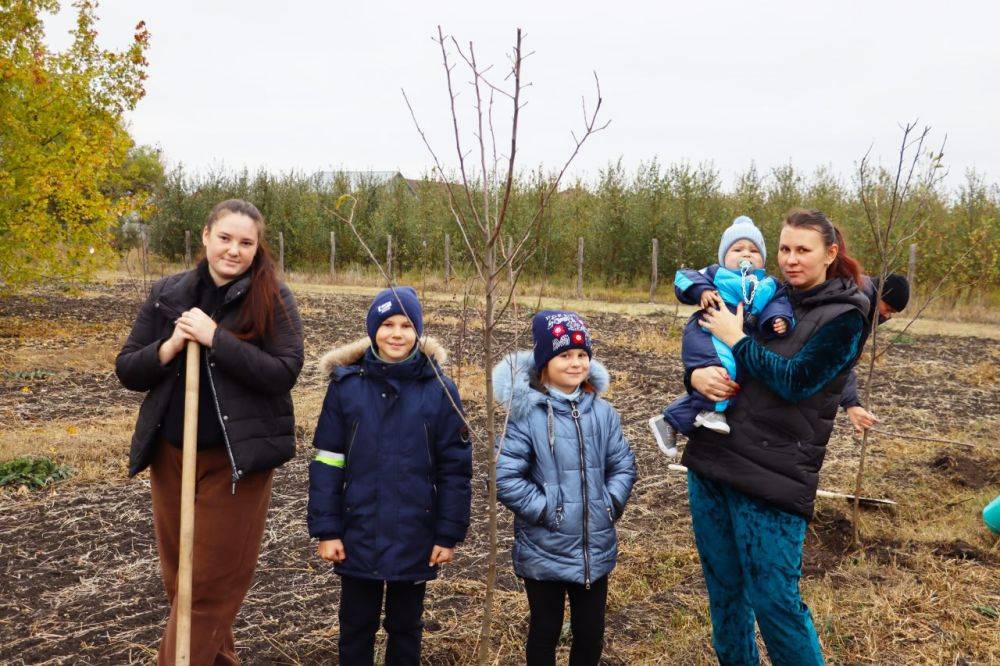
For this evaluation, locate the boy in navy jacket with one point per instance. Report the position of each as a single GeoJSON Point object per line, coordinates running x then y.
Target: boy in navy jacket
{"type": "Point", "coordinates": [389, 490]}
{"type": "Point", "coordinates": [739, 277]}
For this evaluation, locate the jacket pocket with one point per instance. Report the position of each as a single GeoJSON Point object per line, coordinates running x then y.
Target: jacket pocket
{"type": "Point", "coordinates": [609, 506]}
{"type": "Point", "coordinates": [553, 515]}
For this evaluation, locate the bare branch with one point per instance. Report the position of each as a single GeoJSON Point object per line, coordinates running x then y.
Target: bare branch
{"type": "Point", "coordinates": [454, 121]}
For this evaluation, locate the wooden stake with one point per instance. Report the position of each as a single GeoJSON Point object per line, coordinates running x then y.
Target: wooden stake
{"type": "Point", "coordinates": [655, 275]}
{"type": "Point", "coordinates": [144, 235]}
{"type": "Point", "coordinates": [333, 255]}
{"type": "Point", "coordinates": [579, 267]}
{"type": "Point", "coordinates": [911, 268]}
{"type": "Point", "coordinates": [187, 248]}
{"type": "Point", "coordinates": [185, 565]}
{"type": "Point", "coordinates": [447, 258]}
{"type": "Point", "coordinates": [388, 256]}
{"type": "Point", "coordinates": [281, 252]}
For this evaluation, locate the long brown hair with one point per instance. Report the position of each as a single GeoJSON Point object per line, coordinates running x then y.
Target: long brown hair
{"type": "Point", "coordinates": [844, 265]}
{"type": "Point", "coordinates": [256, 320]}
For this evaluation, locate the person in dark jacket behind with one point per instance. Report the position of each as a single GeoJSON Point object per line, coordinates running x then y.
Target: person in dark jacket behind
{"type": "Point", "coordinates": [390, 487]}
{"type": "Point", "coordinates": [566, 472]}
{"type": "Point", "coordinates": [895, 297]}
{"type": "Point", "coordinates": [751, 492]}
{"type": "Point", "coordinates": [251, 353]}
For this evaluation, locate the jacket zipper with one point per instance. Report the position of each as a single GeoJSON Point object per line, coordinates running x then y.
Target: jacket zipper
{"type": "Point", "coordinates": [430, 458]}
{"type": "Point", "coordinates": [237, 474]}
{"type": "Point", "coordinates": [347, 459]}
{"type": "Point", "coordinates": [555, 463]}
{"type": "Point", "coordinates": [222, 424]}
{"type": "Point", "coordinates": [586, 502]}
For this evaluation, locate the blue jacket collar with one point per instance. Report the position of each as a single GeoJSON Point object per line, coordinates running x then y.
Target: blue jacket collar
{"type": "Point", "coordinates": [356, 357]}
{"type": "Point", "coordinates": [515, 383]}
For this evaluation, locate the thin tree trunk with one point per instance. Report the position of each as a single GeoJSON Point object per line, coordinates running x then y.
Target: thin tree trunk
{"type": "Point", "coordinates": [486, 631]}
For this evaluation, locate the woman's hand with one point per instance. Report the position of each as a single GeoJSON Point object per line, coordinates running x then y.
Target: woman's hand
{"type": "Point", "coordinates": [198, 325]}
{"type": "Point", "coordinates": [723, 324]}
{"type": "Point", "coordinates": [173, 346]}
{"type": "Point", "coordinates": [714, 383]}
{"type": "Point", "coordinates": [441, 555]}
{"type": "Point", "coordinates": [861, 418]}
{"type": "Point", "coordinates": [332, 550]}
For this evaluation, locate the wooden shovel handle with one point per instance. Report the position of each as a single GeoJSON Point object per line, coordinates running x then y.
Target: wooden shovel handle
{"type": "Point", "coordinates": [190, 460]}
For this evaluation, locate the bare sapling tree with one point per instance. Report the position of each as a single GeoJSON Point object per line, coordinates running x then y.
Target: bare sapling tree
{"type": "Point", "coordinates": [896, 206]}
{"type": "Point", "coordinates": [479, 206]}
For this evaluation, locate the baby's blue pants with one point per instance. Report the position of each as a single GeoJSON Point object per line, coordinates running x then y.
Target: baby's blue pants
{"type": "Point", "coordinates": [751, 555]}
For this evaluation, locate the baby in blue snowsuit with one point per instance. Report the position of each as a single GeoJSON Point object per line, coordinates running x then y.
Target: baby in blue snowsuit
{"type": "Point", "coordinates": [739, 277]}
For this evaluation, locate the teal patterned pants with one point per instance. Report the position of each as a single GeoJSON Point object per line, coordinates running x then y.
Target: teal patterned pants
{"type": "Point", "coordinates": [751, 555]}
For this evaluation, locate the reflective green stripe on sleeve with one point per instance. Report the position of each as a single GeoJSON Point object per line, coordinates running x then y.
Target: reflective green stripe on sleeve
{"type": "Point", "coordinates": [330, 458]}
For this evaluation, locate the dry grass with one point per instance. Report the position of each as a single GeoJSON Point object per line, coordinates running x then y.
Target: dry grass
{"type": "Point", "coordinates": [666, 341]}
{"type": "Point", "coordinates": [96, 449]}
{"type": "Point", "coordinates": [920, 591]}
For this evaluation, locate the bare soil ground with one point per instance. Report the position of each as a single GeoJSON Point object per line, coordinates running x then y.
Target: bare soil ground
{"type": "Point", "coordinates": [78, 570]}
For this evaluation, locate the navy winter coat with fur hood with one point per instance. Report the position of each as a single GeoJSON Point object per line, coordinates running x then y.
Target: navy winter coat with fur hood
{"type": "Point", "coordinates": [566, 474]}
{"type": "Point", "coordinates": [402, 464]}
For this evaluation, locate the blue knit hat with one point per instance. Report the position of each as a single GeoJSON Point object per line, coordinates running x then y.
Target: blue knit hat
{"type": "Point", "coordinates": [556, 331]}
{"type": "Point", "coordinates": [741, 228]}
{"type": "Point", "coordinates": [387, 304]}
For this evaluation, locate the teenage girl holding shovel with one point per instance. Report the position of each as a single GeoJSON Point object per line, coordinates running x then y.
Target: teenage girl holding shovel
{"type": "Point", "coordinates": [248, 328]}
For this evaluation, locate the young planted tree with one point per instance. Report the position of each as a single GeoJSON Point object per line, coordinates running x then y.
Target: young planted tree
{"type": "Point", "coordinates": [897, 205]}
{"type": "Point", "coordinates": [480, 207]}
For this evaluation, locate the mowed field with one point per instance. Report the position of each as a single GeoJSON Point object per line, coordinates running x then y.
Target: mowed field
{"type": "Point", "coordinates": [79, 579]}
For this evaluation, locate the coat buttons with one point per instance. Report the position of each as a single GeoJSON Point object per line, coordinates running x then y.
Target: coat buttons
{"type": "Point", "coordinates": [225, 417]}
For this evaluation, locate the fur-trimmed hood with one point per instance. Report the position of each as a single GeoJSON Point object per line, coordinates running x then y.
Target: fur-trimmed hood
{"type": "Point", "coordinates": [353, 352]}
{"type": "Point", "coordinates": [512, 378]}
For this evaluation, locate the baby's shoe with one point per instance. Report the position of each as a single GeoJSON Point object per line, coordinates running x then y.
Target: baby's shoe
{"type": "Point", "coordinates": [665, 435]}
{"type": "Point", "coordinates": [714, 421]}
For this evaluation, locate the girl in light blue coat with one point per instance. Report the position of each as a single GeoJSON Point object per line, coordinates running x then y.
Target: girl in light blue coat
{"type": "Point", "coordinates": [566, 472]}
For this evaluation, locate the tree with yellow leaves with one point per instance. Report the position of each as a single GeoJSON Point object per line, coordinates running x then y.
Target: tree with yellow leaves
{"type": "Point", "coordinates": [62, 142]}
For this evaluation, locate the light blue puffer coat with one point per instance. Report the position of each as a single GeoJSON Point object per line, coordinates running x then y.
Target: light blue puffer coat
{"type": "Point", "coordinates": [566, 474]}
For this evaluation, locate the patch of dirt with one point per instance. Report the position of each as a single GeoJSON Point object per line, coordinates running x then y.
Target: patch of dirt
{"type": "Point", "coordinates": [966, 471]}
{"type": "Point", "coordinates": [962, 550]}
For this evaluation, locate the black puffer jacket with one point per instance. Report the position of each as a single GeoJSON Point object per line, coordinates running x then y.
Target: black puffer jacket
{"type": "Point", "coordinates": [251, 381]}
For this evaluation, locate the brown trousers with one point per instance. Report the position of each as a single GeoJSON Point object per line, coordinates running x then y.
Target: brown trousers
{"type": "Point", "coordinates": [227, 533]}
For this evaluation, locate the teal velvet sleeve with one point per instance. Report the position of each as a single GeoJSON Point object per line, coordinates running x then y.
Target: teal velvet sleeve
{"type": "Point", "coordinates": [821, 359]}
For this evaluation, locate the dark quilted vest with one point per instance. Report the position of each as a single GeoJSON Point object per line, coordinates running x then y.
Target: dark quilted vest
{"type": "Point", "coordinates": [776, 448]}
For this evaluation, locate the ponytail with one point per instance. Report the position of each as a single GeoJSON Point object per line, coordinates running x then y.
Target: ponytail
{"type": "Point", "coordinates": [844, 265]}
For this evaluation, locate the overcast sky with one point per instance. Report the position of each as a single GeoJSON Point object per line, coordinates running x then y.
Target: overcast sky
{"type": "Point", "coordinates": [316, 85]}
